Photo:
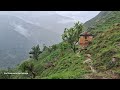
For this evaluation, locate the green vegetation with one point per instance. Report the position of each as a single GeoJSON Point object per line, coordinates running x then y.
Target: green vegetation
{"type": "Point", "coordinates": [106, 46]}
{"type": "Point", "coordinates": [71, 35]}
{"type": "Point", "coordinates": [103, 21]}
{"type": "Point", "coordinates": [65, 61]}
{"type": "Point", "coordinates": [35, 52]}
{"type": "Point", "coordinates": [28, 67]}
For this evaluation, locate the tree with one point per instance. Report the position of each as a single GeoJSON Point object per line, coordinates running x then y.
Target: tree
{"type": "Point", "coordinates": [35, 52]}
{"type": "Point", "coordinates": [71, 35]}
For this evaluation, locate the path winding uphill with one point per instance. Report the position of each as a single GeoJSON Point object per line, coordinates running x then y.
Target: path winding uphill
{"type": "Point", "coordinates": [89, 62]}
{"type": "Point", "coordinates": [98, 75]}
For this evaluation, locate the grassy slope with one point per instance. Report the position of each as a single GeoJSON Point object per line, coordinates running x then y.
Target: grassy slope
{"type": "Point", "coordinates": [69, 65]}
{"type": "Point", "coordinates": [103, 21]}
{"type": "Point", "coordinates": [104, 47]}
{"type": "Point", "coordinates": [106, 43]}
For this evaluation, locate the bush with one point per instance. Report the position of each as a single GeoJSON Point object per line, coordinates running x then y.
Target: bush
{"type": "Point", "coordinates": [54, 47]}
{"type": "Point", "coordinates": [28, 66]}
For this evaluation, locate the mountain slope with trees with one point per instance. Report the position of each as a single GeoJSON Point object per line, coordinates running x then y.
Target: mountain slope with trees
{"type": "Point", "coordinates": [61, 62]}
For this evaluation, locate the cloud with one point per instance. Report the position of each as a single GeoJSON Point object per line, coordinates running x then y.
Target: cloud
{"type": "Point", "coordinates": [82, 16]}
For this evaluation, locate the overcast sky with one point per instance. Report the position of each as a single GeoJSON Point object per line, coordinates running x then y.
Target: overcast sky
{"type": "Point", "coordinates": [83, 16]}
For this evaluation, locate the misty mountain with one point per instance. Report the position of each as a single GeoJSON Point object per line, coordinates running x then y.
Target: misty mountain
{"type": "Point", "coordinates": [48, 19]}
{"type": "Point", "coordinates": [17, 37]}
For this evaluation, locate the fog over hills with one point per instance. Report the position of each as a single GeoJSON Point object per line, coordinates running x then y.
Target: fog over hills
{"type": "Point", "coordinates": [54, 21]}
{"type": "Point", "coordinates": [49, 20]}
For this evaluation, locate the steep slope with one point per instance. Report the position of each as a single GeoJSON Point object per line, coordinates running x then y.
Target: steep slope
{"type": "Point", "coordinates": [57, 65]}
{"type": "Point", "coordinates": [103, 21]}
{"type": "Point", "coordinates": [105, 46]}
{"type": "Point", "coordinates": [105, 52]}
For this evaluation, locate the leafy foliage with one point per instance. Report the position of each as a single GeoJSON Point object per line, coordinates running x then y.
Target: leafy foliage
{"type": "Point", "coordinates": [72, 35]}
{"type": "Point", "coordinates": [35, 52]}
{"type": "Point", "coordinates": [28, 66]}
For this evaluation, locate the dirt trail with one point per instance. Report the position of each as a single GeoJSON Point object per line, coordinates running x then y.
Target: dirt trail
{"type": "Point", "coordinates": [98, 75]}
{"type": "Point", "coordinates": [89, 62]}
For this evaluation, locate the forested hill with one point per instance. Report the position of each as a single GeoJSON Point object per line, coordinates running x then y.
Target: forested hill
{"type": "Point", "coordinates": [67, 60]}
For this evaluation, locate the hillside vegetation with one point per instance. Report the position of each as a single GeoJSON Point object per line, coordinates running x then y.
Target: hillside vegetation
{"type": "Point", "coordinates": [60, 61]}
{"type": "Point", "coordinates": [103, 21]}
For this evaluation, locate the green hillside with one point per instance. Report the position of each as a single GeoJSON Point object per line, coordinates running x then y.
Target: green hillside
{"type": "Point", "coordinates": [103, 21]}
{"type": "Point", "coordinates": [60, 62]}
